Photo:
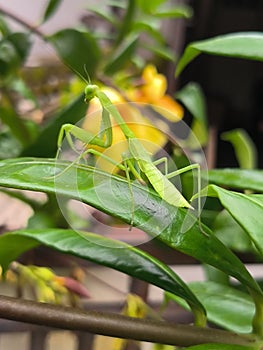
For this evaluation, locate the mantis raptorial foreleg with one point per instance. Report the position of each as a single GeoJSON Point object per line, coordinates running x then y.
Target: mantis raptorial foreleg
{"type": "Point", "coordinates": [137, 161]}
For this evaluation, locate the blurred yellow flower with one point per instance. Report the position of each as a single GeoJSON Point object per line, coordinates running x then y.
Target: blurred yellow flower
{"type": "Point", "coordinates": [152, 92]}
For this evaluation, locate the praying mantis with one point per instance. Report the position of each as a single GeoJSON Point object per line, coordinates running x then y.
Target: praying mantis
{"type": "Point", "coordinates": [136, 161]}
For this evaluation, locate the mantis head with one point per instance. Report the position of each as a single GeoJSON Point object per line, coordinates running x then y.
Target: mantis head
{"type": "Point", "coordinates": [90, 92]}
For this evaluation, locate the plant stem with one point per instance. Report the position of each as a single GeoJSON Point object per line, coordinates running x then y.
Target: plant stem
{"type": "Point", "coordinates": [24, 23]}
{"type": "Point", "coordinates": [115, 325]}
{"type": "Point", "coordinates": [126, 23]}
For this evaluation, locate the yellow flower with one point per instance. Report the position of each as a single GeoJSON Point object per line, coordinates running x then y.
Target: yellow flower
{"type": "Point", "coordinates": [144, 130]}
{"type": "Point", "coordinates": [152, 91]}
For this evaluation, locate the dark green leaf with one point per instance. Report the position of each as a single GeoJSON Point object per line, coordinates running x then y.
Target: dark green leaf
{"type": "Point", "coordinates": [4, 27]}
{"type": "Point", "coordinates": [244, 147]}
{"type": "Point", "coordinates": [17, 126]}
{"type": "Point", "coordinates": [51, 9]}
{"type": "Point", "coordinates": [176, 227]}
{"type": "Point", "coordinates": [77, 50]}
{"type": "Point", "coordinates": [122, 55]}
{"type": "Point", "coordinates": [247, 45]}
{"type": "Point", "coordinates": [245, 209]}
{"type": "Point", "coordinates": [22, 44]}
{"type": "Point", "coordinates": [231, 233]}
{"type": "Point", "coordinates": [100, 250]}
{"type": "Point", "coordinates": [226, 307]}
{"type": "Point", "coordinates": [46, 143]}
{"type": "Point", "coordinates": [237, 178]}
{"type": "Point", "coordinates": [9, 59]}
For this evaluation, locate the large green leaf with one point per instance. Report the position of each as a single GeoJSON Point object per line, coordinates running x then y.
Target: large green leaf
{"type": "Point", "coordinates": [248, 45]}
{"type": "Point", "coordinates": [234, 311]}
{"type": "Point", "coordinates": [246, 209]}
{"type": "Point", "coordinates": [78, 50]}
{"type": "Point", "coordinates": [176, 227]}
{"type": "Point", "coordinates": [244, 179]}
{"type": "Point", "coordinates": [100, 250]}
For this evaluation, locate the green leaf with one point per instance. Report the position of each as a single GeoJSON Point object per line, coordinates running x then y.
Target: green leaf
{"type": "Point", "coordinates": [244, 147]}
{"type": "Point", "coordinates": [179, 11]}
{"type": "Point", "coordinates": [46, 143]}
{"type": "Point", "coordinates": [242, 179]}
{"type": "Point", "coordinates": [4, 26]}
{"type": "Point", "coordinates": [19, 128]}
{"type": "Point", "coordinates": [247, 45]}
{"type": "Point", "coordinates": [107, 252]}
{"type": "Point", "coordinates": [193, 99]}
{"type": "Point", "coordinates": [51, 9]}
{"type": "Point", "coordinates": [22, 44]}
{"type": "Point", "coordinates": [14, 49]}
{"type": "Point", "coordinates": [175, 227]}
{"type": "Point", "coordinates": [161, 51]}
{"type": "Point", "coordinates": [122, 55]}
{"type": "Point", "coordinates": [9, 59]}
{"type": "Point", "coordinates": [231, 233]}
{"type": "Point", "coordinates": [77, 50]}
{"type": "Point", "coordinates": [245, 209]}
{"type": "Point", "coordinates": [149, 6]}
{"type": "Point", "coordinates": [104, 14]}
{"type": "Point", "coordinates": [226, 306]}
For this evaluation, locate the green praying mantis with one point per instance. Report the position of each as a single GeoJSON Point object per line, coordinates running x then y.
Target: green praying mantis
{"type": "Point", "coordinates": [136, 161]}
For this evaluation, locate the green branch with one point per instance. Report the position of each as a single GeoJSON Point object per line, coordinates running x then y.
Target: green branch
{"type": "Point", "coordinates": [115, 325]}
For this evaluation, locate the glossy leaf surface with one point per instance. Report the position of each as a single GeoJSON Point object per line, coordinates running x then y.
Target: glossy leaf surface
{"type": "Point", "coordinates": [101, 250]}
{"type": "Point", "coordinates": [246, 209]}
{"type": "Point", "coordinates": [234, 311]}
{"type": "Point", "coordinates": [244, 179]}
{"type": "Point", "coordinates": [248, 45]}
{"type": "Point", "coordinates": [175, 227]}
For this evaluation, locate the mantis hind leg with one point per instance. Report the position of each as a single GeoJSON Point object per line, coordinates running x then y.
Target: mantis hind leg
{"type": "Point", "coordinates": [181, 171]}
{"type": "Point", "coordinates": [184, 170]}
{"type": "Point", "coordinates": [198, 195]}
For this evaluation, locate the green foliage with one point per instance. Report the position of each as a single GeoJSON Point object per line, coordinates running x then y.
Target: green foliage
{"type": "Point", "coordinates": [244, 148]}
{"type": "Point", "coordinates": [51, 9]}
{"type": "Point", "coordinates": [69, 41]}
{"type": "Point", "coordinates": [235, 198]}
{"type": "Point", "coordinates": [247, 45]}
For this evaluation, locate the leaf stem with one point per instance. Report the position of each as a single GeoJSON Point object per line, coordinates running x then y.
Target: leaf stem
{"type": "Point", "coordinates": [258, 317]}
{"type": "Point", "coordinates": [32, 28]}
{"type": "Point", "coordinates": [115, 325]}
